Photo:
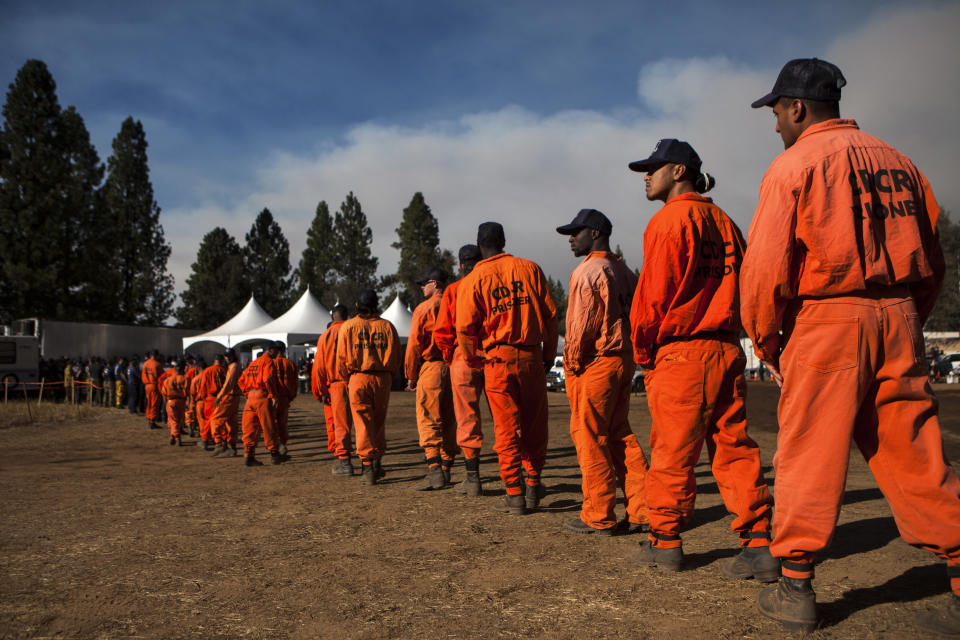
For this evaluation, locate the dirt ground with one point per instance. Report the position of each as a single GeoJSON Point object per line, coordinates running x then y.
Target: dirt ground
{"type": "Point", "coordinates": [108, 532]}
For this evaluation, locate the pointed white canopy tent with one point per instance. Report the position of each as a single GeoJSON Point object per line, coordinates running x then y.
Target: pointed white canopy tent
{"type": "Point", "coordinates": [400, 316]}
{"type": "Point", "coordinates": [301, 324]}
{"type": "Point", "coordinates": [252, 315]}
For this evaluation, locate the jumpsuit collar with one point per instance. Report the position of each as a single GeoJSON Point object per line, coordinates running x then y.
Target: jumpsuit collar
{"type": "Point", "coordinates": [826, 125]}
{"type": "Point", "coordinates": [690, 195]}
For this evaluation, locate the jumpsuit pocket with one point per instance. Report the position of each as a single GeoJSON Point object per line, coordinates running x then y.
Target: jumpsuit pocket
{"type": "Point", "coordinates": [679, 382]}
{"type": "Point", "coordinates": [827, 345]}
{"type": "Point", "coordinates": [912, 320]}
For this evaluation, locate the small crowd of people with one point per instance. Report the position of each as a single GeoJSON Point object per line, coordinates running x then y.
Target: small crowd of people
{"type": "Point", "coordinates": [842, 268]}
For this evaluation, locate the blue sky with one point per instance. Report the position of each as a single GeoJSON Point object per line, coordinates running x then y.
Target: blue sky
{"type": "Point", "coordinates": [518, 111]}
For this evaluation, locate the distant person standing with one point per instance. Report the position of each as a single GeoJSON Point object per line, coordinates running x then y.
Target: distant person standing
{"type": "Point", "coordinates": [505, 306]}
{"type": "Point", "coordinates": [68, 383]}
{"type": "Point", "coordinates": [331, 389]}
{"type": "Point", "coordinates": [289, 385]}
{"type": "Point", "coordinates": [133, 385]}
{"type": "Point", "coordinates": [174, 389]}
{"type": "Point", "coordinates": [226, 402]}
{"type": "Point", "coordinates": [466, 376]}
{"type": "Point", "coordinates": [368, 356]}
{"type": "Point", "coordinates": [150, 376]}
{"type": "Point", "coordinates": [120, 380]}
{"type": "Point", "coordinates": [429, 376]}
{"type": "Point", "coordinates": [260, 382]}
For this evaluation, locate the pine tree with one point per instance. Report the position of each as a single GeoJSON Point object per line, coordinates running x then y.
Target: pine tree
{"type": "Point", "coordinates": [217, 287]}
{"type": "Point", "coordinates": [946, 312]}
{"type": "Point", "coordinates": [266, 260]}
{"type": "Point", "coordinates": [560, 299]}
{"type": "Point", "coordinates": [318, 262]}
{"type": "Point", "coordinates": [48, 173]}
{"type": "Point", "coordinates": [356, 267]}
{"type": "Point", "coordinates": [418, 239]}
{"type": "Point", "coordinates": [138, 283]}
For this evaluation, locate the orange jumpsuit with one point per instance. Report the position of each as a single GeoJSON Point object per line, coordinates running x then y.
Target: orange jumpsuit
{"type": "Point", "coordinates": [174, 389]}
{"type": "Point", "coordinates": [686, 324]}
{"type": "Point", "coordinates": [368, 356]}
{"type": "Point", "coordinates": [425, 368]}
{"type": "Point", "coordinates": [260, 382]}
{"type": "Point", "coordinates": [598, 360]}
{"type": "Point", "coordinates": [466, 378]}
{"type": "Point", "coordinates": [208, 384]}
{"type": "Point", "coordinates": [223, 420]}
{"type": "Point", "coordinates": [289, 383]}
{"type": "Point", "coordinates": [327, 382]}
{"type": "Point", "coordinates": [504, 304]}
{"type": "Point", "coordinates": [150, 376]}
{"type": "Point", "coordinates": [192, 373]}
{"type": "Point", "coordinates": [844, 258]}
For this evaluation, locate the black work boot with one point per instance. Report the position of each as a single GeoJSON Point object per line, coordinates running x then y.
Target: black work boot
{"type": "Point", "coordinates": [752, 562]}
{"type": "Point", "coordinates": [342, 467]}
{"type": "Point", "coordinates": [532, 495]}
{"type": "Point", "coordinates": [471, 484]}
{"type": "Point", "coordinates": [434, 478]}
{"type": "Point", "coordinates": [664, 559]}
{"type": "Point", "coordinates": [792, 603]}
{"type": "Point", "coordinates": [368, 476]}
{"type": "Point", "coordinates": [445, 466]}
{"type": "Point", "coordinates": [219, 449]}
{"type": "Point", "coordinates": [378, 470]}
{"type": "Point", "coordinates": [278, 458]}
{"type": "Point", "coordinates": [251, 461]}
{"type": "Point", "coordinates": [579, 526]}
{"type": "Point", "coordinates": [943, 622]}
{"type": "Point", "coordinates": [512, 504]}
{"type": "Point", "coordinates": [154, 425]}
{"type": "Point", "coordinates": [207, 445]}
{"type": "Point", "coordinates": [229, 452]}
{"type": "Point", "coordinates": [173, 440]}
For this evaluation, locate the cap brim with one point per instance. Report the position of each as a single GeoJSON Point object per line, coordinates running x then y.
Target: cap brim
{"type": "Point", "coordinates": [766, 101]}
{"type": "Point", "coordinates": [641, 166]}
{"type": "Point", "coordinates": [569, 229]}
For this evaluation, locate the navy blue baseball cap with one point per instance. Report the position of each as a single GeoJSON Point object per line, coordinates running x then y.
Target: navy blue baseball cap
{"type": "Point", "coordinates": [433, 273]}
{"type": "Point", "coordinates": [587, 219]}
{"type": "Point", "coordinates": [807, 78]}
{"type": "Point", "coordinates": [669, 150]}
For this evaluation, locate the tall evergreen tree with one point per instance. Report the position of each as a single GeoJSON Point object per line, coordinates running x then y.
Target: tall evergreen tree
{"type": "Point", "coordinates": [356, 267]}
{"type": "Point", "coordinates": [946, 312]}
{"type": "Point", "coordinates": [217, 287]}
{"type": "Point", "coordinates": [418, 237]}
{"type": "Point", "coordinates": [266, 260]}
{"type": "Point", "coordinates": [48, 173]}
{"type": "Point", "coordinates": [559, 299]}
{"type": "Point", "coordinates": [318, 262]}
{"type": "Point", "coordinates": [140, 287]}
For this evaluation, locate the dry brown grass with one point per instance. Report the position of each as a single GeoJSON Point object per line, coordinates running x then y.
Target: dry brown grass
{"type": "Point", "coordinates": [18, 413]}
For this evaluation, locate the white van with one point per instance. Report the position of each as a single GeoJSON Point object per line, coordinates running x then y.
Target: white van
{"type": "Point", "coordinates": [19, 360]}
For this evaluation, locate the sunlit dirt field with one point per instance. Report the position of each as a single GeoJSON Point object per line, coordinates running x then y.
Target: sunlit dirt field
{"type": "Point", "coordinates": [108, 532]}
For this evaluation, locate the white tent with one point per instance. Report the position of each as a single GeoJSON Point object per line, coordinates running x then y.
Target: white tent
{"type": "Point", "coordinates": [302, 323]}
{"type": "Point", "coordinates": [252, 315]}
{"type": "Point", "coordinates": [400, 316]}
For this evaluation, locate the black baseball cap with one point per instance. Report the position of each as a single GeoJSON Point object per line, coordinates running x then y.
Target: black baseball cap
{"type": "Point", "coordinates": [469, 254]}
{"type": "Point", "coordinates": [367, 298]}
{"type": "Point", "coordinates": [589, 219]}
{"type": "Point", "coordinates": [490, 234]}
{"type": "Point", "coordinates": [808, 78]}
{"type": "Point", "coordinates": [669, 150]}
{"type": "Point", "coordinates": [433, 273]}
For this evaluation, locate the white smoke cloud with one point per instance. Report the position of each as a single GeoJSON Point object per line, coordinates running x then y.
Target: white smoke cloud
{"type": "Point", "coordinates": [534, 172]}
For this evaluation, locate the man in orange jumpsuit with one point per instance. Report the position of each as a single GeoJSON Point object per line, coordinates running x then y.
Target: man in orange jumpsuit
{"type": "Point", "coordinates": [368, 356]}
{"type": "Point", "coordinates": [330, 389]}
{"type": "Point", "coordinates": [174, 388]}
{"type": "Point", "coordinates": [196, 401]}
{"type": "Point", "coordinates": [260, 382]}
{"type": "Point", "coordinates": [466, 378]}
{"type": "Point", "coordinates": [429, 376]}
{"type": "Point", "coordinates": [845, 261]}
{"type": "Point", "coordinates": [208, 383]}
{"type": "Point", "coordinates": [192, 372]}
{"type": "Point", "coordinates": [289, 385]}
{"type": "Point", "coordinates": [506, 307]}
{"type": "Point", "coordinates": [598, 361]}
{"type": "Point", "coordinates": [150, 377]}
{"type": "Point", "coordinates": [685, 326]}
{"type": "Point", "coordinates": [223, 406]}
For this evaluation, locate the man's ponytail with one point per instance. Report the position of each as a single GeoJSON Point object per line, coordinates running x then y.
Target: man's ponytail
{"type": "Point", "coordinates": [704, 183]}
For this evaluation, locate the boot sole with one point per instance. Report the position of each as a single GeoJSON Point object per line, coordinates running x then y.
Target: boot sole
{"type": "Point", "coordinates": [792, 626]}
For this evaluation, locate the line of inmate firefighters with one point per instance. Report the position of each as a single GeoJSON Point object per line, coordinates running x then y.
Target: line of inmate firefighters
{"type": "Point", "coordinates": [842, 269]}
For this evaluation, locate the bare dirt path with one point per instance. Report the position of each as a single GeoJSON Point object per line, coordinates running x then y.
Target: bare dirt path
{"type": "Point", "coordinates": [108, 532]}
